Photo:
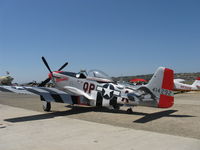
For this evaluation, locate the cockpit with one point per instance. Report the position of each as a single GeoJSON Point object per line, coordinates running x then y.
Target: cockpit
{"type": "Point", "coordinates": [99, 76]}
{"type": "Point", "coordinates": [95, 75]}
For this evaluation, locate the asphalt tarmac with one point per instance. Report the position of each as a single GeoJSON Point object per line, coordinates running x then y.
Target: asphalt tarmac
{"type": "Point", "coordinates": [183, 119]}
{"type": "Point", "coordinates": [37, 131]}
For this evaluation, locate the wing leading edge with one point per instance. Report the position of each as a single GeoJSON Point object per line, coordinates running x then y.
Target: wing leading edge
{"type": "Point", "coordinates": [46, 94]}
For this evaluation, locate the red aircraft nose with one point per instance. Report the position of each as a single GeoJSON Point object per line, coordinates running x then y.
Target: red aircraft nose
{"type": "Point", "coordinates": [50, 75]}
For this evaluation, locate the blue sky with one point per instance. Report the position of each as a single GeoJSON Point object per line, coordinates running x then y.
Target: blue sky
{"type": "Point", "coordinates": [120, 37]}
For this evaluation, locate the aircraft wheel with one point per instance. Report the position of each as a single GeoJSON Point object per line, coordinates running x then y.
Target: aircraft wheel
{"type": "Point", "coordinates": [116, 107]}
{"type": "Point", "coordinates": [129, 111]}
{"type": "Point", "coordinates": [46, 106]}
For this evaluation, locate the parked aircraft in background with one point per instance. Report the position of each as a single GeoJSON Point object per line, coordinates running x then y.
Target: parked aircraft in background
{"type": "Point", "coordinates": [95, 88]}
{"type": "Point", "coordinates": [180, 86]}
{"type": "Point", "coordinates": [6, 80]}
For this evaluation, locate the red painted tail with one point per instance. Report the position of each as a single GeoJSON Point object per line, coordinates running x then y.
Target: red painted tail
{"type": "Point", "coordinates": [162, 85]}
{"type": "Point", "coordinates": [167, 101]}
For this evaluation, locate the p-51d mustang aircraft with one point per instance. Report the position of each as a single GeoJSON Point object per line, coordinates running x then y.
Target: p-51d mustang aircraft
{"type": "Point", "coordinates": [95, 88]}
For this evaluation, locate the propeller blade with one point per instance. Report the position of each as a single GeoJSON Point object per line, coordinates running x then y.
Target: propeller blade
{"type": "Point", "coordinates": [63, 66]}
{"type": "Point", "coordinates": [46, 64]}
{"type": "Point", "coordinates": [43, 83]}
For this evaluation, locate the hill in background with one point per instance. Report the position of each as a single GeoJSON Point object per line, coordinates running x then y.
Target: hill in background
{"type": "Point", "coordinates": [189, 77]}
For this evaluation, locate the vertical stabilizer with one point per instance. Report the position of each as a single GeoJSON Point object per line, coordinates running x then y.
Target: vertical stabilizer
{"type": "Point", "coordinates": [161, 85]}
{"type": "Point", "coordinates": [196, 83]}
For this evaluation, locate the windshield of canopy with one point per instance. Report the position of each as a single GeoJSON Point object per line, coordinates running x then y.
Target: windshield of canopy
{"type": "Point", "coordinates": [99, 76]}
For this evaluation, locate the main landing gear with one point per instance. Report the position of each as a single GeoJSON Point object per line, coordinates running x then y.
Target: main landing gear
{"type": "Point", "coordinates": [46, 106]}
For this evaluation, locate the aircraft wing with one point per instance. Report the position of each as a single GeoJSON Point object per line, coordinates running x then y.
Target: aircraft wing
{"type": "Point", "coordinates": [47, 94]}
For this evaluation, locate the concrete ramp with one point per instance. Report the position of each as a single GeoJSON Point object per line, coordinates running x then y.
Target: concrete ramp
{"type": "Point", "coordinates": [22, 129]}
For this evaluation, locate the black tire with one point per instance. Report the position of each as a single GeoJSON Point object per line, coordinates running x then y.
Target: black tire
{"type": "Point", "coordinates": [129, 111]}
{"type": "Point", "coordinates": [47, 106]}
{"type": "Point", "coordinates": [116, 107]}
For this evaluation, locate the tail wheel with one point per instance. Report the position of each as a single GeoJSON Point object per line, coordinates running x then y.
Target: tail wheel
{"type": "Point", "coordinates": [46, 106]}
{"type": "Point", "coordinates": [129, 111]}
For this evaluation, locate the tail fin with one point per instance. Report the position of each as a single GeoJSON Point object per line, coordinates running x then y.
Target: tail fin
{"type": "Point", "coordinates": [196, 82]}
{"type": "Point", "coordinates": [161, 85]}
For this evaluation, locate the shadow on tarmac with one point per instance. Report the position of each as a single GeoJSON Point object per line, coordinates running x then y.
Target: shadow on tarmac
{"type": "Point", "coordinates": [147, 117]}
{"type": "Point", "coordinates": [158, 115]}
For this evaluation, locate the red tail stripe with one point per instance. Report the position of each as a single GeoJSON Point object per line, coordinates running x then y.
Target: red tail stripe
{"type": "Point", "coordinates": [168, 84]}
{"type": "Point", "coordinates": [168, 79]}
{"type": "Point", "coordinates": [166, 101]}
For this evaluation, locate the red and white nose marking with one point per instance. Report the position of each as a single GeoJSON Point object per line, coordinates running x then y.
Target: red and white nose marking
{"type": "Point", "coordinates": [51, 74]}
{"type": "Point", "coordinates": [57, 77]}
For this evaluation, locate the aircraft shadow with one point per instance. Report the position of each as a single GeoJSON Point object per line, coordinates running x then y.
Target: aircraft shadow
{"type": "Point", "coordinates": [147, 117]}
{"type": "Point", "coordinates": [157, 115]}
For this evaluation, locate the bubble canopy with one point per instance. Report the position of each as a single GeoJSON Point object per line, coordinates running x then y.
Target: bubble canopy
{"type": "Point", "coordinates": [99, 75]}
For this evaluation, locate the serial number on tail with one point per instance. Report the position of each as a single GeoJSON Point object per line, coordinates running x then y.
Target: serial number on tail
{"type": "Point", "coordinates": [163, 91]}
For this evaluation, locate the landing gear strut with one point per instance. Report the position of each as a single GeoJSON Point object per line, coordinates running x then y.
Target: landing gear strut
{"type": "Point", "coordinates": [46, 106]}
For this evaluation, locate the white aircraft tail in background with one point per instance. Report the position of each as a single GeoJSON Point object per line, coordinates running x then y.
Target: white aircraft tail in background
{"type": "Point", "coordinates": [197, 83]}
